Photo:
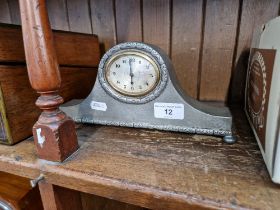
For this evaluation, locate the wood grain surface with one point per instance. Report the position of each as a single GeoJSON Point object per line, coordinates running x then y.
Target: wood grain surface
{"type": "Point", "coordinates": [93, 202]}
{"type": "Point", "coordinates": [158, 170]}
{"type": "Point", "coordinates": [17, 192]}
{"type": "Point", "coordinates": [79, 16]}
{"type": "Point", "coordinates": [77, 49]}
{"type": "Point", "coordinates": [254, 14]}
{"type": "Point", "coordinates": [185, 53]}
{"type": "Point", "coordinates": [103, 22]}
{"type": "Point", "coordinates": [72, 49]}
{"type": "Point", "coordinates": [59, 198]}
{"type": "Point", "coordinates": [5, 16]}
{"type": "Point", "coordinates": [57, 10]}
{"type": "Point", "coordinates": [208, 43]}
{"type": "Point", "coordinates": [54, 132]}
{"type": "Point", "coordinates": [14, 11]}
{"type": "Point", "coordinates": [218, 48]}
{"type": "Point", "coordinates": [19, 98]}
{"type": "Point", "coordinates": [129, 20]}
{"type": "Point", "coordinates": [156, 23]}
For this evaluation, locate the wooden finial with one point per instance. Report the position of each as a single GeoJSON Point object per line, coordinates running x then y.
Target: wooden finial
{"type": "Point", "coordinates": [54, 132]}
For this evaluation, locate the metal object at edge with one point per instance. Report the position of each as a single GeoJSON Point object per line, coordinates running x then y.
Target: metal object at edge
{"type": "Point", "coordinates": [4, 205]}
{"type": "Point", "coordinates": [121, 110]}
{"type": "Point", "coordinates": [34, 182]}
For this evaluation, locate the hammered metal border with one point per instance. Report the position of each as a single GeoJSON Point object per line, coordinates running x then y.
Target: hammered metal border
{"type": "Point", "coordinates": [134, 46]}
{"type": "Point", "coordinates": [182, 129]}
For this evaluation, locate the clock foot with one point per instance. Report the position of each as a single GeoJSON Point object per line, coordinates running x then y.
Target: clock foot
{"type": "Point", "coordinates": [229, 139]}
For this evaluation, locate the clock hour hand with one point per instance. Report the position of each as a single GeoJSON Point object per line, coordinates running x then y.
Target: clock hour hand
{"type": "Point", "coordinates": [130, 71]}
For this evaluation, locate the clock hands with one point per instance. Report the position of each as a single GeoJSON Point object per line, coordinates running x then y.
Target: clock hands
{"type": "Point", "coordinates": [130, 71]}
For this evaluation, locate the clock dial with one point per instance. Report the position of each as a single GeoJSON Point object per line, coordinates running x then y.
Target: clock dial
{"type": "Point", "coordinates": [132, 73]}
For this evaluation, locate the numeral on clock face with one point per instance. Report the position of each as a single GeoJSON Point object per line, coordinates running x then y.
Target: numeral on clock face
{"type": "Point", "coordinates": [132, 74]}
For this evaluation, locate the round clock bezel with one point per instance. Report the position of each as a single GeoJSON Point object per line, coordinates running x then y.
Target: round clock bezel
{"type": "Point", "coordinates": [133, 47]}
{"type": "Point", "coordinates": [132, 53]}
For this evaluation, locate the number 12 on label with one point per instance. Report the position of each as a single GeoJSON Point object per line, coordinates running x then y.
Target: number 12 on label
{"type": "Point", "coordinates": [169, 111]}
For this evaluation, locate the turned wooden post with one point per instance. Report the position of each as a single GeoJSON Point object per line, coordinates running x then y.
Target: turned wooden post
{"type": "Point", "coordinates": [54, 132]}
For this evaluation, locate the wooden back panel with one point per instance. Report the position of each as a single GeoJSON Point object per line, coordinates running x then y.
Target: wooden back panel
{"type": "Point", "coordinates": [208, 41]}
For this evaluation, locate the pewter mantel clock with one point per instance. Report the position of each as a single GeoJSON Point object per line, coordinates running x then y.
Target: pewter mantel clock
{"type": "Point", "coordinates": [137, 87]}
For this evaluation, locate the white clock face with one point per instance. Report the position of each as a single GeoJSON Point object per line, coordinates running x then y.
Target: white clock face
{"type": "Point", "coordinates": [132, 73]}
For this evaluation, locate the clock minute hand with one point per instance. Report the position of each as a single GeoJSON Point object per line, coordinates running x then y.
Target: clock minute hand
{"type": "Point", "coordinates": [130, 71]}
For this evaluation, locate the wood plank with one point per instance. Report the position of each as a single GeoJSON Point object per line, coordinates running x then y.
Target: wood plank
{"type": "Point", "coordinates": [19, 97]}
{"type": "Point", "coordinates": [79, 17]}
{"type": "Point", "coordinates": [13, 188]}
{"type": "Point", "coordinates": [29, 169]}
{"type": "Point", "coordinates": [128, 20]}
{"type": "Point", "coordinates": [77, 83]}
{"type": "Point", "coordinates": [57, 12]}
{"type": "Point", "coordinates": [17, 192]}
{"type": "Point", "coordinates": [14, 11]}
{"type": "Point", "coordinates": [69, 47]}
{"type": "Point", "coordinates": [218, 48]}
{"type": "Point", "coordinates": [4, 12]}
{"type": "Point", "coordinates": [77, 49]}
{"type": "Point", "coordinates": [55, 197]}
{"type": "Point", "coordinates": [93, 202]}
{"type": "Point", "coordinates": [103, 22]}
{"type": "Point", "coordinates": [11, 44]}
{"type": "Point", "coordinates": [201, 172]}
{"type": "Point", "coordinates": [186, 43]}
{"type": "Point", "coordinates": [158, 170]}
{"type": "Point", "coordinates": [254, 14]}
{"type": "Point", "coordinates": [48, 196]}
{"type": "Point", "coordinates": [156, 23]}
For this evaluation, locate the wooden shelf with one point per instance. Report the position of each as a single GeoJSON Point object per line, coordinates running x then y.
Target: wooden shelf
{"type": "Point", "coordinates": [157, 170]}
